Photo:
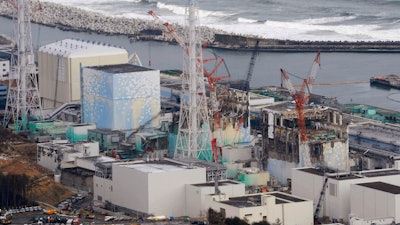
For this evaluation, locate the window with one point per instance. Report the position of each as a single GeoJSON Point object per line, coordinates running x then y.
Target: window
{"type": "Point", "coordinates": [99, 198]}
{"type": "Point", "coordinates": [332, 189]}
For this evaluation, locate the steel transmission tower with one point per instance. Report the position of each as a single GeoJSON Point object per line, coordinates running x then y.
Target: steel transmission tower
{"type": "Point", "coordinates": [194, 134]}
{"type": "Point", "coordinates": [23, 101]}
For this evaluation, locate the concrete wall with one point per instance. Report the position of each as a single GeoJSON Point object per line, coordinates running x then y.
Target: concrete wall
{"type": "Point", "coordinates": [336, 155]}
{"type": "Point", "coordinates": [367, 203]}
{"type": "Point", "coordinates": [170, 199]}
{"type": "Point", "coordinates": [158, 193]}
{"type": "Point", "coordinates": [102, 189]}
{"type": "Point", "coordinates": [291, 213]}
{"type": "Point", "coordinates": [336, 204]}
{"type": "Point", "coordinates": [127, 100]}
{"type": "Point", "coordinates": [68, 81]}
{"type": "Point", "coordinates": [196, 197]}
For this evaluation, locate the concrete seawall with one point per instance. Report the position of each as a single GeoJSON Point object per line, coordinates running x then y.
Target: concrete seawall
{"type": "Point", "coordinates": [70, 18]}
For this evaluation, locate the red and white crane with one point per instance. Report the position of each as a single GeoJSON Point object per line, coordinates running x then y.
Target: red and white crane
{"type": "Point", "coordinates": [302, 96]}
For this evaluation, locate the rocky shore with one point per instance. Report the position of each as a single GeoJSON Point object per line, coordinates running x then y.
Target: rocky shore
{"type": "Point", "coordinates": [74, 19]}
{"type": "Point", "coordinates": [70, 18]}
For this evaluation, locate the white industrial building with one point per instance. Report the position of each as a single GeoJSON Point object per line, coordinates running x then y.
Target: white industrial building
{"type": "Point", "coordinates": [196, 195]}
{"type": "Point", "coordinates": [154, 187]}
{"type": "Point", "coordinates": [60, 65]}
{"type": "Point", "coordinates": [334, 189]}
{"type": "Point", "coordinates": [57, 156]}
{"type": "Point", "coordinates": [4, 69]}
{"type": "Point", "coordinates": [273, 207]}
{"type": "Point", "coordinates": [375, 201]}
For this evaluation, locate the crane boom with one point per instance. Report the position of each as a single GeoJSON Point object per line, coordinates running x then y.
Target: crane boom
{"type": "Point", "coordinates": [251, 66]}
{"type": "Point", "coordinates": [300, 99]}
{"type": "Point", "coordinates": [287, 83]}
{"type": "Point", "coordinates": [313, 73]}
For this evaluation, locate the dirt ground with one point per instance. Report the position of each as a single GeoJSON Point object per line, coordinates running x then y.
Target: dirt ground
{"type": "Point", "coordinates": [18, 156]}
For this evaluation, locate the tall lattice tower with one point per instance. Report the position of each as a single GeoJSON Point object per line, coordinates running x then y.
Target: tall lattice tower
{"type": "Point", "coordinates": [23, 101]}
{"type": "Point", "coordinates": [194, 134]}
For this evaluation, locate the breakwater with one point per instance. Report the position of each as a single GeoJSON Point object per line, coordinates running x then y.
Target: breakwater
{"type": "Point", "coordinates": [74, 19]}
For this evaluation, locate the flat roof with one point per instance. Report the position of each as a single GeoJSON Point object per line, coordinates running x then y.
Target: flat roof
{"type": "Point", "coordinates": [160, 166]}
{"type": "Point", "coordinates": [381, 186]}
{"type": "Point", "coordinates": [81, 48]}
{"type": "Point", "coordinates": [347, 176]}
{"type": "Point", "coordinates": [289, 198]}
{"type": "Point", "coordinates": [255, 200]}
{"type": "Point", "coordinates": [98, 159]}
{"type": "Point", "coordinates": [120, 68]}
{"type": "Point", "coordinates": [154, 168]}
{"type": "Point", "coordinates": [378, 132]}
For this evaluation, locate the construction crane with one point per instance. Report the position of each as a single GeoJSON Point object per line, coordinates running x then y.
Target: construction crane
{"type": "Point", "coordinates": [251, 66]}
{"type": "Point", "coordinates": [302, 96]}
{"type": "Point", "coordinates": [300, 99]}
{"type": "Point", "coordinates": [313, 73]}
{"type": "Point", "coordinates": [23, 100]}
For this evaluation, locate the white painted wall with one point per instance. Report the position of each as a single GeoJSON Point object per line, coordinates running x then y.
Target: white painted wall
{"type": "Point", "coordinates": [369, 204]}
{"type": "Point", "coordinates": [167, 191]}
{"type": "Point", "coordinates": [309, 186]}
{"type": "Point", "coordinates": [158, 193]}
{"type": "Point", "coordinates": [292, 213]}
{"type": "Point", "coordinates": [68, 83]}
{"type": "Point", "coordinates": [195, 196]}
{"type": "Point", "coordinates": [102, 189]}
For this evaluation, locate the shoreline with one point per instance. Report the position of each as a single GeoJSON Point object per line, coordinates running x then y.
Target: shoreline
{"type": "Point", "coordinates": [77, 20]}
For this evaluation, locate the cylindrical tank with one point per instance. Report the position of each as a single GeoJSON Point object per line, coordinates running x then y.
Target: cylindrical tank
{"type": "Point", "coordinates": [57, 178]}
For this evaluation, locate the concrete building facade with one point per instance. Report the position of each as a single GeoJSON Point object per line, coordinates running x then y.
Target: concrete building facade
{"type": "Point", "coordinates": [196, 195]}
{"type": "Point", "coordinates": [272, 207]}
{"type": "Point", "coordinates": [56, 156]}
{"type": "Point", "coordinates": [60, 67]}
{"type": "Point", "coordinates": [327, 138]}
{"type": "Point", "coordinates": [375, 200]}
{"type": "Point", "coordinates": [336, 188]}
{"type": "Point", "coordinates": [154, 187]}
{"type": "Point", "coordinates": [121, 97]}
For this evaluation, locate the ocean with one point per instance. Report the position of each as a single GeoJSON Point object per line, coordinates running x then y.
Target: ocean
{"type": "Point", "coordinates": [282, 19]}
{"type": "Point", "coordinates": [346, 20]}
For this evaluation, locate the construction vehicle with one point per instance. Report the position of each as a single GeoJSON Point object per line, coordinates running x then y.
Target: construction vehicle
{"type": "Point", "coordinates": [50, 211]}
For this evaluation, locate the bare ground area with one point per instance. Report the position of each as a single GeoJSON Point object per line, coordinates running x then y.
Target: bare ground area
{"type": "Point", "coordinates": [18, 156]}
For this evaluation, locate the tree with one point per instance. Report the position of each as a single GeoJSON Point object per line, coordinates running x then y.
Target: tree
{"type": "Point", "coordinates": [235, 221]}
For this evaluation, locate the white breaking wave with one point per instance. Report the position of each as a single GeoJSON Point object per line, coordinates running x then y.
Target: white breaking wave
{"type": "Point", "coordinates": [244, 20]}
{"type": "Point", "coordinates": [301, 31]}
{"type": "Point", "coordinates": [318, 28]}
{"type": "Point", "coordinates": [324, 20]}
